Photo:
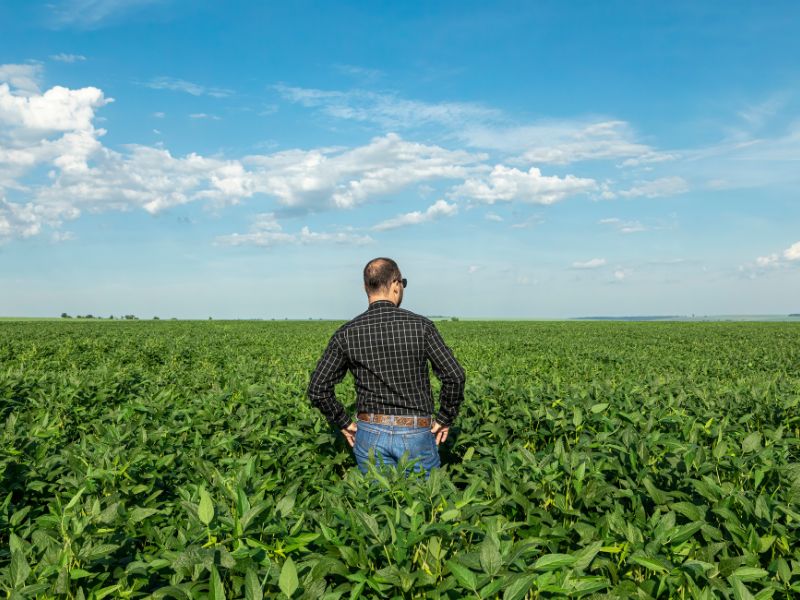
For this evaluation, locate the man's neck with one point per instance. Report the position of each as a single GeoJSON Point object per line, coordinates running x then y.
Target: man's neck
{"type": "Point", "coordinates": [373, 299]}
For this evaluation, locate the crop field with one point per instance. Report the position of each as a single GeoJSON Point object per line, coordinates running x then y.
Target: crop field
{"type": "Point", "coordinates": [596, 460]}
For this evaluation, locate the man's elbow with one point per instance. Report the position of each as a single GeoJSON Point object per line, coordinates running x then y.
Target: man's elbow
{"type": "Point", "coordinates": [457, 376]}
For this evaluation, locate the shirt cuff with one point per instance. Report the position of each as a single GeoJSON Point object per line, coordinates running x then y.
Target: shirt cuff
{"type": "Point", "coordinates": [343, 422]}
{"type": "Point", "coordinates": [442, 421]}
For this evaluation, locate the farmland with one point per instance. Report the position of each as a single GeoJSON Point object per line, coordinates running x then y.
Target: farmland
{"type": "Point", "coordinates": [182, 460]}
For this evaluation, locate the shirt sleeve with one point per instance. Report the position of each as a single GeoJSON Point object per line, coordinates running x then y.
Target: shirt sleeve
{"type": "Point", "coordinates": [449, 372]}
{"type": "Point", "coordinates": [331, 369]}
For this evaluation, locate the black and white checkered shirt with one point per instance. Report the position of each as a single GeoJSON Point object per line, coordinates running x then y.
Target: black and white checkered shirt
{"type": "Point", "coordinates": [387, 349]}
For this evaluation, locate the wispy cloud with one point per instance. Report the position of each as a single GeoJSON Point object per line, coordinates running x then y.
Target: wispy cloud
{"type": "Point", "coordinates": [384, 109]}
{"type": "Point", "coordinates": [266, 232]}
{"type": "Point", "coordinates": [23, 77]}
{"type": "Point", "coordinates": [93, 14]}
{"type": "Point", "coordinates": [361, 73]}
{"type": "Point", "coordinates": [594, 263]}
{"type": "Point", "coordinates": [623, 226]}
{"type": "Point", "coordinates": [204, 116]}
{"type": "Point", "coordinates": [656, 188]}
{"type": "Point", "coordinates": [188, 87]}
{"type": "Point", "coordinates": [67, 58]}
{"type": "Point", "coordinates": [564, 142]}
{"type": "Point", "coordinates": [438, 209]}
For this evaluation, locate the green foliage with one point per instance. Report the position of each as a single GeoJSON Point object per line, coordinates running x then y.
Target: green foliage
{"type": "Point", "coordinates": [597, 460]}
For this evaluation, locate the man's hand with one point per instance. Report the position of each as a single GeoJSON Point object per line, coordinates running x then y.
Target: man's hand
{"type": "Point", "coordinates": [440, 431]}
{"type": "Point", "coordinates": [349, 433]}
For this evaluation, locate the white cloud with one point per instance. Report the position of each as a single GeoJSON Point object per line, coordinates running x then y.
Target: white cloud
{"type": "Point", "coordinates": [188, 87]}
{"type": "Point", "coordinates": [473, 269]}
{"type": "Point", "coordinates": [507, 184]}
{"type": "Point", "coordinates": [92, 14]}
{"type": "Point", "coordinates": [338, 178]}
{"type": "Point", "coordinates": [58, 109]}
{"type": "Point", "coordinates": [768, 261]}
{"type": "Point", "coordinates": [54, 130]}
{"type": "Point", "coordinates": [267, 232]}
{"type": "Point", "coordinates": [792, 252]}
{"type": "Point", "coordinates": [656, 188]}
{"type": "Point", "coordinates": [594, 263]}
{"type": "Point", "coordinates": [490, 216]}
{"type": "Point", "coordinates": [386, 110]}
{"type": "Point", "coordinates": [564, 142]}
{"type": "Point", "coordinates": [67, 58]}
{"type": "Point", "coordinates": [623, 226]}
{"type": "Point", "coordinates": [159, 115]}
{"type": "Point", "coordinates": [24, 78]}
{"type": "Point", "coordinates": [204, 116]}
{"type": "Point", "coordinates": [621, 274]}
{"type": "Point", "coordinates": [438, 209]}
{"type": "Point", "coordinates": [774, 260]}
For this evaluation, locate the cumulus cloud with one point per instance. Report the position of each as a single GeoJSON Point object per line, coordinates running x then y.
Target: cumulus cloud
{"type": "Point", "coordinates": [792, 252]}
{"type": "Point", "coordinates": [773, 261]}
{"type": "Point", "coordinates": [656, 188]}
{"type": "Point", "coordinates": [594, 263]}
{"type": "Point", "coordinates": [507, 184]}
{"type": "Point", "coordinates": [346, 178]}
{"type": "Point", "coordinates": [267, 232]}
{"type": "Point", "coordinates": [490, 216]}
{"type": "Point", "coordinates": [438, 209]}
{"type": "Point", "coordinates": [181, 85]}
{"type": "Point", "coordinates": [67, 58]}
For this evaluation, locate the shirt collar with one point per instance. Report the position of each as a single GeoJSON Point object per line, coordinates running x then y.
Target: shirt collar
{"type": "Point", "coordinates": [379, 303]}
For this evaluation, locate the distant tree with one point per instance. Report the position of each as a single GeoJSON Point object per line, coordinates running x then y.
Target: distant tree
{"type": "Point", "coordinates": [156, 318]}
{"type": "Point", "coordinates": [454, 318]}
{"type": "Point", "coordinates": [65, 316]}
{"type": "Point", "coordinates": [111, 317]}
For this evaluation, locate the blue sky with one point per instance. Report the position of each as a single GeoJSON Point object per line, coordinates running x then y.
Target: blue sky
{"type": "Point", "coordinates": [518, 159]}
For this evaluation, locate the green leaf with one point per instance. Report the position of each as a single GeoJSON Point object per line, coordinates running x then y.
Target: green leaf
{"type": "Point", "coordinates": [648, 563]}
{"type": "Point", "coordinates": [550, 562]}
{"type": "Point", "coordinates": [752, 442]}
{"type": "Point", "coordinates": [491, 561]}
{"type": "Point", "coordinates": [583, 558]}
{"type": "Point", "coordinates": [20, 569]}
{"type": "Point", "coordinates": [74, 500]}
{"type": "Point", "coordinates": [140, 514]}
{"type": "Point", "coordinates": [518, 587]}
{"type": "Point", "coordinates": [740, 591]}
{"type": "Point", "coordinates": [598, 408]}
{"type": "Point", "coordinates": [464, 576]}
{"type": "Point", "coordinates": [750, 573]}
{"type": "Point", "coordinates": [288, 579]}
{"type": "Point", "coordinates": [285, 505]}
{"type": "Point", "coordinates": [216, 590]}
{"type": "Point", "coordinates": [252, 587]}
{"type": "Point", "coordinates": [205, 510]}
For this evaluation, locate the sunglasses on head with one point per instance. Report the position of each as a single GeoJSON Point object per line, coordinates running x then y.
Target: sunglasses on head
{"type": "Point", "coordinates": [404, 281]}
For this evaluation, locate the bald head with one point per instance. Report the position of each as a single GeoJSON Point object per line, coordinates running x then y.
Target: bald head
{"type": "Point", "coordinates": [379, 274]}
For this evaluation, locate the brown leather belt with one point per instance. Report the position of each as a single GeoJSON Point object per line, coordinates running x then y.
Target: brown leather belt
{"type": "Point", "coordinates": [402, 421]}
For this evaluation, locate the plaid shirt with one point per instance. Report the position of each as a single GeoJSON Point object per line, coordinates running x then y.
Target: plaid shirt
{"type": "Point", "coordinates": [387, 349]}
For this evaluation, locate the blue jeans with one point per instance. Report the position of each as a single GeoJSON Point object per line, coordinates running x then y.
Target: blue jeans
{"type": "Point", "coordinates": [390, 442]}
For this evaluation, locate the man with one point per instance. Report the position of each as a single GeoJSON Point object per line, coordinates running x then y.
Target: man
{"type": "Point", "coordinates": [388, 349]}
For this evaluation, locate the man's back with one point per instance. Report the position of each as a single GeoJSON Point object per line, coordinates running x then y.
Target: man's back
{"type": "Point", "coordinates": [387, 349]}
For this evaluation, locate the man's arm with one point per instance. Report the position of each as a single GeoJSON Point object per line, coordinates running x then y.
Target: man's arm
{"type": "Point", "coordinates": [331, 369]}
{"type": "Point", "coordinates": [449, 372]}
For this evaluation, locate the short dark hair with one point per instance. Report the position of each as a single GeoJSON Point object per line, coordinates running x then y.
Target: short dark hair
{"type": "Point", "coordinates": [380, 273]}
